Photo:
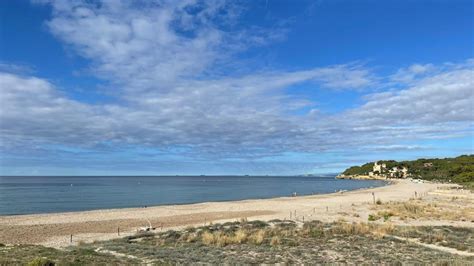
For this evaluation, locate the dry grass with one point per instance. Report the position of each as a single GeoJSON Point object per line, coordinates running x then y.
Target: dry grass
{"type": "Point", "coordinates": [244, 232]}
{"type": "Point", "coordinates": [257, 237]}
{"type": "Point", "coordinates": [459, 238]}
{"type": "Point", "coordinates": [39, 255]}
{"type": "Point", "coordinates": [282, 233]}
{"type": "Point", "coordinates": [222, 239]}
{"type": "Point", "coordinates": [240, 236]}
{"type": "Point", "coordinates": [418, 209]}
{"type": "Point", "coordinates": [363, 229]}
{"type": "Point", "coordinates": [275, 241]}
{"type": "Point", "coordinates": [191, 237]}
{"type": "Point", "coordinates": [383, 230]}
{"type": "Point", "coordinates": [207, 238]}
{"type": "Point", "coordinates": [439, 237]}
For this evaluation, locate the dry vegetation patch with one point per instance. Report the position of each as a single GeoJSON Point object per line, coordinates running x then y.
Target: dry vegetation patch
{"type": "Point", "coordinates": [39, 255]}
{"type": "Point", "coordinates": [448, 236]}
{"type": "Point", "coordinates": [453, 209]}
{"type": "Point", "coordinates": [256, 242]}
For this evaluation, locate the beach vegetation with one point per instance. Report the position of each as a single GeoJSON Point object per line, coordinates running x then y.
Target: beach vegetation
{"type": "Point", "coordinates": [372, 217]}
{"type": "Point", "coordinates": [275, 241]}
{"type": "Point", "coordinates": [257, 237]}
{"type": "Point", "coordinates": [75, 255]}
{"type": "Point", "coordinates": [416, 209]}
{"type": "Point", "coordinates": [257, 224]}
{"type": "Point", "coordinates": [363, 229]}
{"type": "Point", "coordinates": [281, 242]}
{"type": "Point", "coordinates": [207, 238]}
{"type": "Point", "coordinates": [387, 215]}
{"type": "Point", "coordinates": [447, 236]}
{"type": "Point", "coordinates": [240, 236]}
{"type": "Point", "coordinates": [41, 262]}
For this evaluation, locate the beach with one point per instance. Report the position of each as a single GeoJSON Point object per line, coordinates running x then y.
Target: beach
{"type": "Point", "coordinates": [55, 229]}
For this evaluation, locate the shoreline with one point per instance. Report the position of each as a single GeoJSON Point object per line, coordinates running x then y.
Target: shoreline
{"type": "Point", "coordinates": [388, 182]}
{"type": "Point", "coordinates": [362, 177]}
{"type": "Point", "coordinates": [54, 229]}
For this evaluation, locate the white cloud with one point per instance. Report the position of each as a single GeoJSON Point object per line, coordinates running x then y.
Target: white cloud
{"type": "Point", "coordinates": [153, 47]}
{"type": "Point", "coordinates": [148, 45]}
{"type": "Point", "coordinates": [163, 59]}
{"type": "Point", "coordinates": [409, 74]}
{"type": "Point", "coordinates": [444, 97]}
{"type": "Point", "coordinates": [243, 117]}
{"type": "Point", "coordinates": [16, 68]}
{"type": "Point", "coordinates": [396, 147]}
{"type": "Point", "coordinates": [33, 112]}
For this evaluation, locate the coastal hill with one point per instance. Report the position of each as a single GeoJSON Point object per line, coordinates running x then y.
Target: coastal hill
{"type": "Point", "coordinates": [458, 170]}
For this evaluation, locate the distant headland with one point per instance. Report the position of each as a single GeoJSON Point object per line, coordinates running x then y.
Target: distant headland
{"type": "Point", "coordinates": [456, 170]}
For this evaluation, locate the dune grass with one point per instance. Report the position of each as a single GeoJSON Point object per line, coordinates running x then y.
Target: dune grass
{"type": "Point", "coordinates": [454, 237]}
{"type": "Point", "coordinates": [418, 209]}
{"type": "Point", "coordinates": [256, 242]}
{"type": "Point", "coordinates": [42, 256]}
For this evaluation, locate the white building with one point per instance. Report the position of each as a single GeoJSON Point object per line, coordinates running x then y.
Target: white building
{"type": "Point", "coordinates": [381, 170]}
{"type": "Point", "coordinates": [428, 165]}
{"type": "Point", "coordinates": [398, 172]}
{"type": "Point", "coordinates": [379, 167]}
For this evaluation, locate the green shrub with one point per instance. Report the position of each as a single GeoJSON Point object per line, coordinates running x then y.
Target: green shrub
{"type": "Point", "coordinates": [41, 262]}
{"type": "Point", "coordinates": [257, 224]}
{"type": "Point", "coordinates": [373, 217]}
{"type": "Point", "coordinates": [387, 215]}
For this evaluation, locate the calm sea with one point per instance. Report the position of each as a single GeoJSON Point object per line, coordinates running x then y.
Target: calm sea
{"type": "Point", "coordinates": [24, 195]}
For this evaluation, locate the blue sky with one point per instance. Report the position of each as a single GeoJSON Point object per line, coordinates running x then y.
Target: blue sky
{"type": "Point", "coordinates": [232, 87]}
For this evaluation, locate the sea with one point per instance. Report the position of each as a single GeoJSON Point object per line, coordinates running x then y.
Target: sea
{"type": "Point", "coordinates": [47, 194]}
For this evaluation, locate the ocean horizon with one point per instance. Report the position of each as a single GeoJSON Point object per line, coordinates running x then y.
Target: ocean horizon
{"type": "Point", "coordinates": [50, 194]}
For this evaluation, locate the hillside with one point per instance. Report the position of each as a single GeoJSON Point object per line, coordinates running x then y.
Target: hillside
{"type": "Point", "coordinates": [458, 170]}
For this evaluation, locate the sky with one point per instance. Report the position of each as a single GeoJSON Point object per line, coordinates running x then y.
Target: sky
{"type": "Point", "coordinates": [262, 87]}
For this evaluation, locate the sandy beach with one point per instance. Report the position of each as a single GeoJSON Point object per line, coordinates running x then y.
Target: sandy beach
{"type": "Point", "coordinates": [55, 229]}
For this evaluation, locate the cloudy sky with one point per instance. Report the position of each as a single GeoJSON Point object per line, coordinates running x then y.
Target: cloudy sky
{"type": "Point", "coordinates": [232, 87]}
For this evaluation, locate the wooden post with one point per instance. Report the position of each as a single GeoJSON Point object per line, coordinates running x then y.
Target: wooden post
{"type": "Point", "coordinates": [118, 231]}
{"type": "Point", "coordinates": [373, 196]}
{"type": "Point", "coordinates": [303, 218]}
{"type": "Point", "coordinates": [70, 241]}
{"type": "Point", "coordinates": [416, 195]}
